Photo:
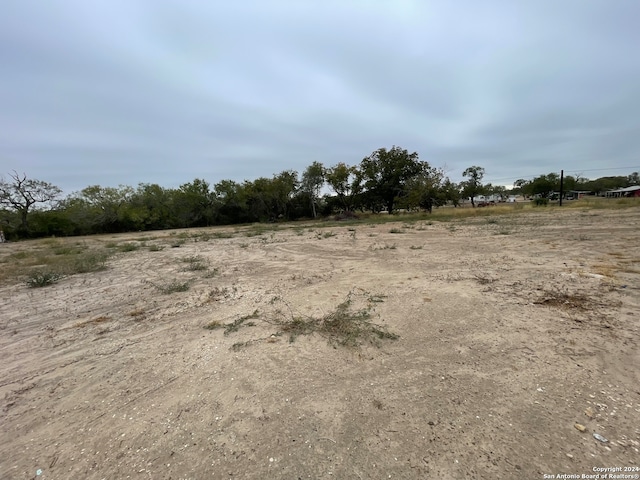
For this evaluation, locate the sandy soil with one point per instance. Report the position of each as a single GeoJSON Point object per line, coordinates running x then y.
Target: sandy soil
{"type": "Point", "coordinates": [512, 331]}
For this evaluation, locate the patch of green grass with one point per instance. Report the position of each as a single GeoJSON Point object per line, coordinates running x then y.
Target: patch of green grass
{"type": "Point", "coordinates": [416, 247]}
{"type": "Point", "coordinates": [19, 256]}
{"type": "Point", "coordinates": [156, 248]}
{"type": "Point", "coordinates": [128, 247]}
{"type": "Point", "coordinates": [177, 243]}
{"type": "Point", "coordinates": [67, 250]}
{"type": "Point", "coordinates": [93, 261]}
{"type": "Point", "coordinates": [397, 230]}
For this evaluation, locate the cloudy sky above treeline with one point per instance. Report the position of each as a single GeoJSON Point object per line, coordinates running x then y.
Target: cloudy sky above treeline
{"type": "Point", "coordinates": [113, 92]}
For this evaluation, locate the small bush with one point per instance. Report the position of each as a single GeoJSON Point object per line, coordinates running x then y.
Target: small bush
{"type": "Point", "coordinates": [195, 263]}
{"type": "Point", "coordinates": [344, 326]}
{"type": "Point", "coordinates": [240, 322]}
{"type": "Point", "coordinates": [172, 287]}
{"type": "Point", "coordinates": [541, 202]}
{"type": "Point", "coordinates": [128, 247]}
{"type": "Point", "coordinates": [42, 278]}
{"type": "Point", "coordinates": [89, 262]}
{"type": "Point", "coordinates": [214, 325]}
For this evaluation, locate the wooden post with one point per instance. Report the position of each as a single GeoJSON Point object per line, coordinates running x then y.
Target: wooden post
{"type": "Point", "coordinates": [561, 186]}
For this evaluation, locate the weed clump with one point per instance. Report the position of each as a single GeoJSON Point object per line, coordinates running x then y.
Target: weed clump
{"type": "Point", "coordinates": [128, 247]}
{"type": "Point", "coordinates": [42, 278]}
{"type": "Point", "coordinates": [171, 287]}
{"type": "Point", "coordinates": [195, 263]}
{"type": "Point", "coordinates": [88, 262]}
{"type": "Point", "coordinates": [342, 327]}
{"type": "Point", "coordinates": [233, 326]}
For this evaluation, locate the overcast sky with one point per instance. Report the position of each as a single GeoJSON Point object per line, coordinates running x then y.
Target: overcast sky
{"type": "Point", "coordinates": [165, 91]}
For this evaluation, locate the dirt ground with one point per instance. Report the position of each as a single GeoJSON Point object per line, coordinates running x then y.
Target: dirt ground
{"type": "Point", "coordinates": [512, 330]}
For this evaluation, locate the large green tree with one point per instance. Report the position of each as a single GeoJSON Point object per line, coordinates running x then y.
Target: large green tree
{"type": "Point", "coordinates": [473, 186]}
{"type": "Point", "coordinates": [312, 181]}
{"type": "Point", "coordinates": [346, 183]}
{"type": "Point", "coordinates": [192, 204]}
{"type": "Point", "coordinates": [386, 173]}
{"type": "Point", "coordinates": [426, 189]}
{"type": "Point", "coordinates": [231, 202]}
{"type": "Point", "coordinates": [102, 209]}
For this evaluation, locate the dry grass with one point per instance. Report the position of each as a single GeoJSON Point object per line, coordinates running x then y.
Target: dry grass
{"type": "Point", "coordinates": [343, 326]}
{"type": "Point", "coordinates": [42, 262]}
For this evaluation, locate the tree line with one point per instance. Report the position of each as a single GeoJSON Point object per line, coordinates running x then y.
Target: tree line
{"type": "Point", "coordinates": [387, 179]}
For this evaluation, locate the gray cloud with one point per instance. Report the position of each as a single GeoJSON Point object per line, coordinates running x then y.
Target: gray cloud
{"type": "Point", "coordinates": [117, 92]}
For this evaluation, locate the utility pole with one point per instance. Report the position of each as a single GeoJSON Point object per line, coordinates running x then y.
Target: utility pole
{"type": "Point", "coordinates": [561, 186]}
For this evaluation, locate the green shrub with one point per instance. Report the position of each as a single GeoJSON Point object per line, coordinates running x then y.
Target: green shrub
{"type": "Point", "coordinates": [42, 278]}
{"type": "Point", "coordinates": [88, 262]}
{"type": "Point", "coordinates": [541, 202]}
{"type": "Point", "coordinates": [128, 247]}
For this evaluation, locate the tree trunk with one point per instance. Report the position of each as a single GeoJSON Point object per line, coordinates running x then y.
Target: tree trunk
{"type": "Point", "coordinates": [23, 219]}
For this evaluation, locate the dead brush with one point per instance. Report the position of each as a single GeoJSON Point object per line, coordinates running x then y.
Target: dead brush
{"type": "Point", "coordinates": [342, 327]}
{"type": "Point", "coordinates": [580, 307]}
{"type": "Point", "coordinates": [566, 301]}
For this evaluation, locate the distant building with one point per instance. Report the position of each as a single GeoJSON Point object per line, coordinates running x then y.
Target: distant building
{"type": "Point", "coordinates": [633, 191]}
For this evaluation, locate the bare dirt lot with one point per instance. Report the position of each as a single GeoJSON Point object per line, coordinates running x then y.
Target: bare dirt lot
{"type": "Point", "coordinates": [511, 330]}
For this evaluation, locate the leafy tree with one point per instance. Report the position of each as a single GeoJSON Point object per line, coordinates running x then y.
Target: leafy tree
{"type": "Point", "coordinates": [451, 192]}
{"type": "Point", "coordinates": [544, 185]}
{"type": "Point", "coordinates": [231, 202]}
{"type": "Point", "coordinates": [21, 194]}
{"type": "Point", "coordinates": [312, 182]}
{"type": "Point", "coordinates": [102, 209]}
{"type": "Point", "coordinates": [152, 206]}
{"type": "Point", "coordinates": [497, 190]}
{"type": "Point", "coordinates": [285, 186]}
{"type": "Point", "coordinates": [520, 186]}
{"type": "Point", "coordinates": [192, 204]}
{"type": "Point", "coordinates": [426, 189]}
{"type": "Point", "coordinates": [473, 186]}
{"type": "Point", "coordinates": [386, 172]}
{"type": "Point", "coordinates": [346, 182]}
{"type": "Point", "coordinates": [603, 184]}
{"type": "Point", "coordinates": [633, 179]}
